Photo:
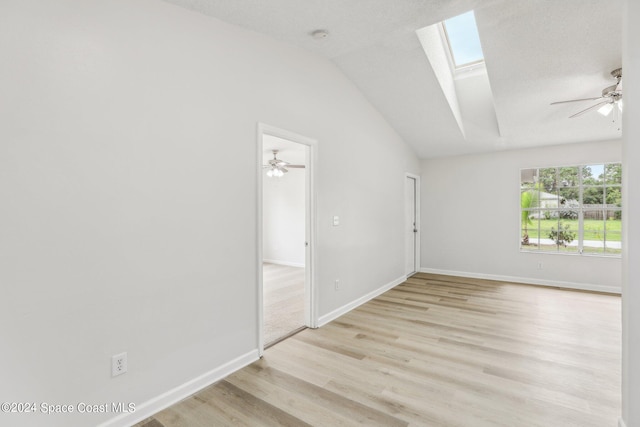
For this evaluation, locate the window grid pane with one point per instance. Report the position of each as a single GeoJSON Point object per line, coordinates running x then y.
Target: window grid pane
{"type": "Point", "coordinates": [574, 209]}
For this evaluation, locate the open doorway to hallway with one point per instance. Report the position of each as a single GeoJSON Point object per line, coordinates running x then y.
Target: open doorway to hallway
{"type": "Point", "coordinates": [286, 296]}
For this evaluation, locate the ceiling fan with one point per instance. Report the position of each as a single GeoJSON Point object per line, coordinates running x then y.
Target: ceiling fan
{"type": "Point", "coordinates": [278, 167]}
{"type": "Point", "coordinates": [611, 96]}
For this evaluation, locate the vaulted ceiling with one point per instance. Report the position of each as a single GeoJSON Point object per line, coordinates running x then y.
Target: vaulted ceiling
{"type": "Point", "coordinates": [536, 52]}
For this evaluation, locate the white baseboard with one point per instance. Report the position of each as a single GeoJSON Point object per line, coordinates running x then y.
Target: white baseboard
{"type": "Point", "coordinates": [323, 320]}
{"type": "Point", "coordinates": [621, 423]}
{"type": "Point", "coordinates": [155, 405]}
{"type": "Point", "coordinates": [525, 280]}
{"type": "Point", "coordinates": [287, 263]}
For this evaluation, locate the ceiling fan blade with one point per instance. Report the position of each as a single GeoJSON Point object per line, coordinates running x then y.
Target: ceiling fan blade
{"type": "Point", "coordinates": [575, 100]}
{"type": "Point", "coordinates": [296, 166]}
{"type": "Point", "coordinates": [593, 107]}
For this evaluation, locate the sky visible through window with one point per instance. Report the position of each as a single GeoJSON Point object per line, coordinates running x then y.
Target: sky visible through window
{"type": "Point", "coordinates": [464, 41]}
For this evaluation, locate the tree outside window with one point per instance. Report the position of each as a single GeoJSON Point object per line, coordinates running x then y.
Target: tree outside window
{"type": "Point", "coordinates": [572, 209]}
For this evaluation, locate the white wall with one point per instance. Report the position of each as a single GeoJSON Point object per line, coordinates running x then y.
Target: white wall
{"type": "Point", "coordinates": [631, 227]}
{"type": "Point", "coordinates": [471, 218]}
{"type": "Point", "coordinates": [128, 187]}
{"type": "Point", "coordinates": [283, 216]}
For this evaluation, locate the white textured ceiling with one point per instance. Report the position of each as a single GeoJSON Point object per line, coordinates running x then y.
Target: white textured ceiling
{"type": "Point", "coordinates": [536, 52]}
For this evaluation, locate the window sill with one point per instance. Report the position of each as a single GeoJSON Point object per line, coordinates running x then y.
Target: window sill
{"type": "Point", "coordinates": [590, 255]}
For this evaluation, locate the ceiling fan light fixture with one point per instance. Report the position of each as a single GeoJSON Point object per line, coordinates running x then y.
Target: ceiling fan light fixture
{"type": "Point", "coordinates": [275, 171]}
{"type": "Point", "coordinates": [606, 109]}
{"type": "Point", "coordinates": [277, 168]}
{"type": "Point", "coordinates": [610, 99]}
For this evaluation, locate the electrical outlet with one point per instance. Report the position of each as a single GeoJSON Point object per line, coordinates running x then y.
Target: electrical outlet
{"type": "Point", "coordinates": [118, 364]}
{"type": "Point", "coordinates": [337, 284]}
{"type": "Point", "coordinates": [540, 265]}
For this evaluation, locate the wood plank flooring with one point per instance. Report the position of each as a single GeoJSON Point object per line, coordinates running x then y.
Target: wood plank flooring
{"type": "Point", "coordinates": [283, 293]}
{"type": "Point", "coordinates": [434, 351]}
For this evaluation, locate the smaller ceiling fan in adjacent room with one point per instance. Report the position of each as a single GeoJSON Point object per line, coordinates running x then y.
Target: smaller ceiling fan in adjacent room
{"type": "Point", "coordinates": [610, 99]}
{"type": "Point", "coordinates": [278, 167]}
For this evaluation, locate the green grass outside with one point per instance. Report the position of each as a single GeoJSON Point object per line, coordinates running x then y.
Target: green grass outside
{"type": "Point", "coordinates": [593, 228]}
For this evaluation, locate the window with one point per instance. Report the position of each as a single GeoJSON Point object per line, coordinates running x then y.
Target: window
{"type": "Point", "coordinates": [463, 39]}
{"type": "Point", "coordinates": [572, 209]}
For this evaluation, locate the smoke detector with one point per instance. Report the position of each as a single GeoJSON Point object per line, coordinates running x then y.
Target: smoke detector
{"type": "Point", "coordinates": [319, 34]}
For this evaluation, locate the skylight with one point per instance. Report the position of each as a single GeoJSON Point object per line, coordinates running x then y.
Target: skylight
{"type": "Point", "coordinates": [464, 41]}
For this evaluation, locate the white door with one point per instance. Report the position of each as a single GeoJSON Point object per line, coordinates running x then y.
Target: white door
{"type": "Point", "coordinates": [410, 226]}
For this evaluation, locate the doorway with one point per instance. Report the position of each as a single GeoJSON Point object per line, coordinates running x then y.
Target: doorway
{"type": "Point", "coordinates": [285, 234]}
{"type": "Point", "coordinates": [412, 224]}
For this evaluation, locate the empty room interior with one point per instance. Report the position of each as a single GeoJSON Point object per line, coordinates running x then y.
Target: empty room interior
{"type": "Point", "coordinates": [363, 212]}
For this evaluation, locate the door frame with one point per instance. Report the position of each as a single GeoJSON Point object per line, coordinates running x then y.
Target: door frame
{"type": "Point", "coordinates": [310, 292]}
{"type": "Point", "coordinates": [415, 177]}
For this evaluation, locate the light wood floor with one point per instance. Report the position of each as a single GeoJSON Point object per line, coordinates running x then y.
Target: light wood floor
{"type": "Point", "coordinates": [283, 294]}
{"type": "Point", "coordinates": [434, 351]}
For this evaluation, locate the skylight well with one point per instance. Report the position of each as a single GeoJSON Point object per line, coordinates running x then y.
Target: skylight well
{"type": "Point", "coordinates": [455, 55]}
{"type": "Point", "coordinates": [463, 39]}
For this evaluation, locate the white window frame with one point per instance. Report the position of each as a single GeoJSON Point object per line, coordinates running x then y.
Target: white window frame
{"type": "Point", "coordinates": [580, 209]}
